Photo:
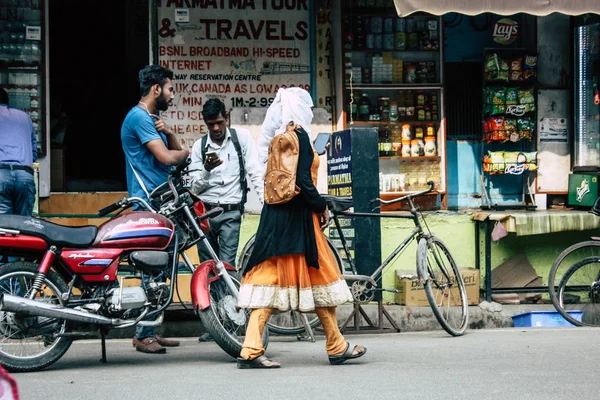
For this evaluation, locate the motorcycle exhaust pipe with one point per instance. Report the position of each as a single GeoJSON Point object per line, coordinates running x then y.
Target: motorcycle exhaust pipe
{"type": "Point", "coordinates": [26, 306]}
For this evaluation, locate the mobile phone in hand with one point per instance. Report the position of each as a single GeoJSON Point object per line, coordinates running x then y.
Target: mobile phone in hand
{"type": "Point", "coordinates": [320, 143]}
{"type": "Point", "coordinates": [211, 156]}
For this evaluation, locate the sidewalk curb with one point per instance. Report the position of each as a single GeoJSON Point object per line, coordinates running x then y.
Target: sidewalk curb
{"type": "Point", "coordinates": [180, 322]}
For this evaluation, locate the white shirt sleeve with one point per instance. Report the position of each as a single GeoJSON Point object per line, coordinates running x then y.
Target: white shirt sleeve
{"type": "Point", "coordinates": [200, 176]}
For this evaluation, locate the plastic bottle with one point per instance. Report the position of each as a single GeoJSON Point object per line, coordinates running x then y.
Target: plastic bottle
{"type": "Point", "coordinates": [430, 148]}
{"type": "Point", "coordinates": [406, 150]}
{"type": "Point", "coordinates": [406, 133]}
{"type": "Point", "coordinates": [415, 148]}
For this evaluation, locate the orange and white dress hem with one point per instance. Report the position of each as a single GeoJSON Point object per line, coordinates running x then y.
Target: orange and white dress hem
{"type": "Point", "coordinates": [294, 298]}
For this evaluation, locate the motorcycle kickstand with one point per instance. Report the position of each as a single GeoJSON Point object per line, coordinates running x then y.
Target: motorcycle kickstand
{"type": "Point", "coordinates": [103, 344]}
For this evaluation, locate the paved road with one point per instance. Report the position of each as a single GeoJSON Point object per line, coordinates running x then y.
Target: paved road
{"type": "Point", "coordinates": [512, 363]}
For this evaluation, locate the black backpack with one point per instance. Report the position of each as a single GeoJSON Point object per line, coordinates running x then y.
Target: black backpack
{"type": "Point", "coordinates": [238, 149]}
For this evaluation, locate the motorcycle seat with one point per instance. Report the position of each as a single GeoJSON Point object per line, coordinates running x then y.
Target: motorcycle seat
{"type": "Point", "coordinates": [59, 235]}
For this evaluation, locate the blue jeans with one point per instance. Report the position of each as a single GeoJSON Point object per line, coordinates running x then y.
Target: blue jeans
{"type": "Point", "coordinates": [224, 237]}
{"type": "Point", "coordinates": [143, 332]}
{"type": "Point", "coordinates": [17, 194]}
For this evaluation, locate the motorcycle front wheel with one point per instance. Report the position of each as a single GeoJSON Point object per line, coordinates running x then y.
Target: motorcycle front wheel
{"type": "Point", "coordinates": [28, 342]}
{"type": "Point", "coordinates": [224, 321]}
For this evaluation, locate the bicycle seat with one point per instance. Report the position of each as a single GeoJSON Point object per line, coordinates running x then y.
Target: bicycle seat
{"type": "Point", "coordinates": [338, 204]}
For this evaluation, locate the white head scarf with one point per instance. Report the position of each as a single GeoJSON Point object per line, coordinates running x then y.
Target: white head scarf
{"type": "Point", "coordinates": [290, 104]}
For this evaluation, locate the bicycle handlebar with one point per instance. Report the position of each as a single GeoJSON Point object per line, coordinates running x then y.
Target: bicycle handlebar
{"type": "Point", "coordinates": [411, 195]}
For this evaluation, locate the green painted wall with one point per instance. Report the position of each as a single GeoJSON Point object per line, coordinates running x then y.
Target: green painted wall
{"type": "Point", "coordinates": [457, 231]}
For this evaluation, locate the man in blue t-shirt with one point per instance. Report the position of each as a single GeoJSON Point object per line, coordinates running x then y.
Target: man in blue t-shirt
{"type": "Point", "coordinates": [151, 149]}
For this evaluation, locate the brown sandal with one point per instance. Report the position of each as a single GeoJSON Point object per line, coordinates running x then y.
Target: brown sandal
{"type": "Point", "coordinates": [258, 362]}
{"type": "Point", "coordinates": [348, 354]}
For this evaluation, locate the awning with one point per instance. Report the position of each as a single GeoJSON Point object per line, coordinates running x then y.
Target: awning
{"type": "Point", "coordinates": [501, 7]}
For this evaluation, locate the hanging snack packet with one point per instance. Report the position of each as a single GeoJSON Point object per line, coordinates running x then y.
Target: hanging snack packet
{"type": "Point", "coordinates": [497, 129]}
{"type": "Point", "coordinates": [510, 129]}
{"type": "Point", "coordinates": [516, 69]}
{"type": "Point", "coordinates": [530, 68]}
{"type": "Point", "coordinates": [512, 96]}
{"type": "Point", "coordinates": [498, 101]}
{"type": "Point", "coordinates": [525, 127]}
{"type": "Point", "coordinates": [497, 161]}
{"type": "Point", "coordinates": [492, 67]}
{"type": "Point", "coordinates": [528, 160]}
{"type": "Point", "coordinates": [504, 70]}
{"type": "Point", "coordinates": [527, 99]}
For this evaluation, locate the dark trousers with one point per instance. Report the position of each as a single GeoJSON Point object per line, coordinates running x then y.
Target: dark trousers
{"type": "Point", "coordinates": [224, 237]}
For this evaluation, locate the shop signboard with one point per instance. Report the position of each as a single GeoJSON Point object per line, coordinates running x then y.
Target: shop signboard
{"type": "Point", "coordinates": [353, 170]}
{"type": "Point", "coordinates": [506, 31]}
{"type": "Point", "coordinates": [239, 52]}
{"type": "Point", "coordinates": [339, 183]}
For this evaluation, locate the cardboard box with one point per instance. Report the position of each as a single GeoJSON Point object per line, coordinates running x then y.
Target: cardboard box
{"type": "Point", "coordinates": [515, 272]}
{"type": "Point", "coordinates": [412, 292]}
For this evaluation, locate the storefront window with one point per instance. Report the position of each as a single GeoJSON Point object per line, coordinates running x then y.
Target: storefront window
{"type": "Point", "coordinates": [587, 98]}
{"type": "Point", "coordinates": [21, 38]}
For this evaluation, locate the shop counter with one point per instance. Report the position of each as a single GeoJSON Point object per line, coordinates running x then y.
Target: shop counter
{"type": "Point", "coordinates": [524, 223]}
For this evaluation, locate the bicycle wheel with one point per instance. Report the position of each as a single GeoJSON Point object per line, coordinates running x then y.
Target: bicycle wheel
{"type": "Point", "coordinates": [578, 295]}
{"type": "Point", "coordinates": [286, 322]}
{"type": "Point", "coordinates": [444, 286]}
{"type": "Point", "coordinates": [563, 263]}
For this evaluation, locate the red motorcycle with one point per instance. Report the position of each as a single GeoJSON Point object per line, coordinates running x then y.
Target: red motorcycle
{"type": "Point", "coordinates": [81, 282]}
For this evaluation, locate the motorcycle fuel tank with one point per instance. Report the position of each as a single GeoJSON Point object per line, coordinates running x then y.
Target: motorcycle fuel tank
{"type": "Point", "coordinates": [136, 230]}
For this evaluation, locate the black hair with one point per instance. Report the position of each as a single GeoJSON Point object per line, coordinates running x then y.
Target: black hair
{"type": "Point", "coordinates": [151, 75]}
{"type": "Point", "coordinates": [212, 108]}
{"type": "Point", "coordinates": [3, 96]}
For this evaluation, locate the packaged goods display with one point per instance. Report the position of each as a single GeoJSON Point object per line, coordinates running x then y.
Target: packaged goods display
{"type": "Point", "coordinates": [388, 67]}
{"type": "Point", "coordinates": [509, 162]}
{"type": "Point", "coordinates": [397, 33]}
{"type": "Point", "coordinates": [509, 97]}
{"type": "Point", "coordinates": [393, 83]}
{"type": "Point", "coordinates": [411, 176]}
{"type": "Point", "coordinates": [400, 106]}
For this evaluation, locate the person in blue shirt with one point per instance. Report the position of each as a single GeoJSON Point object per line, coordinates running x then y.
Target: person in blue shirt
{"type": "Point", "coordinates": [151, 149]}
{"type": "Point", "coordinates": [18, 151]}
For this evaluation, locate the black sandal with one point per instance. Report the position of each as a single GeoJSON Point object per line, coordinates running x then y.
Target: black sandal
{"type": "Point", "coordinates": [258, 362]}
{"type": "Point", "coordinates": [337, 359]}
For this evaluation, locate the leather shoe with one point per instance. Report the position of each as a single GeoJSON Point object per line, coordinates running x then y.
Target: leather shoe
{"type": "Point", "coordinates": [166, 342]}
{"type": "Point", "coordinates": [148, 345]}
{"type": "Point", "coordinates": [161, 340]}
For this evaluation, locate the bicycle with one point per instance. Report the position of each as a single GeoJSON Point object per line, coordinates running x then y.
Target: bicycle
{"type": "Point", "coordinates": [436, 268]}
{"type": "Point", "coordinates": [577, 271]}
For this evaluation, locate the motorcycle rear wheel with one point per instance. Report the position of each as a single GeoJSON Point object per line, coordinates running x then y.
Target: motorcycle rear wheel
{"type": "Point", "coordinates": [29, 343]}
{"type": "Point", "coordinates": [223, 321]}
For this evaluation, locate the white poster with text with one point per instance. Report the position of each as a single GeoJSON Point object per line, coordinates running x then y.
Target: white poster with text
{"type": "Point", "coordinates": [239, 51]}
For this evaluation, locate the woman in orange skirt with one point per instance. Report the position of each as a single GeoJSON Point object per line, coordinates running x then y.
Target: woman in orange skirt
{"type": "Point", "coordinates": [291, 267]}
